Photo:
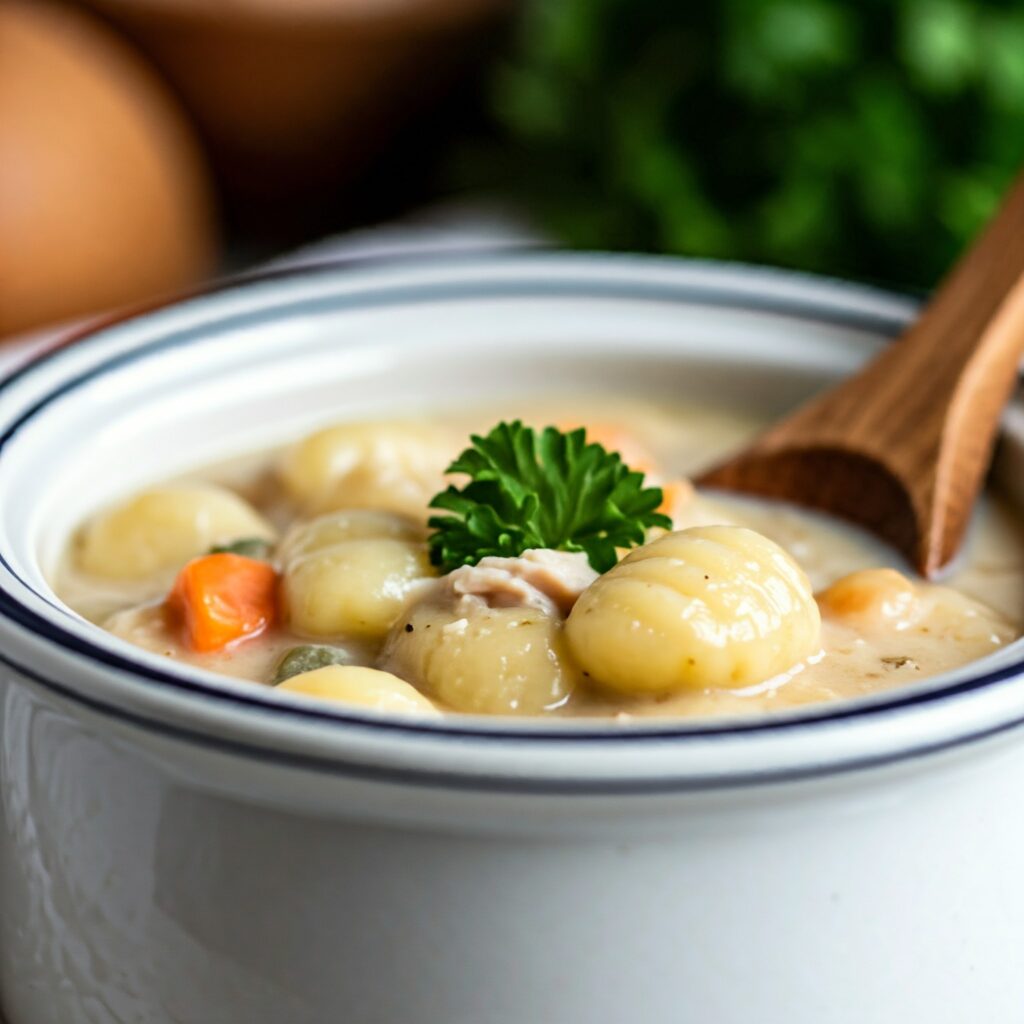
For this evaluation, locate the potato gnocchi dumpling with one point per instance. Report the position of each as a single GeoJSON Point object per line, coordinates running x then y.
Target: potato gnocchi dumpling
{"type": "Point", "coordinates": [349, 524]}
{"type": "Point", "coordinates": [350, 573]}
{"type": "Point", "coordinates": [498, 661]}
{"type": "Point", "coordinates": [398, 466]}
{"type": "Point", "coordinates": [364, 687]}
{"type": "Point", "coordinates": [163, 527]}
{"type": "Point", "coordinates": [714, 606]}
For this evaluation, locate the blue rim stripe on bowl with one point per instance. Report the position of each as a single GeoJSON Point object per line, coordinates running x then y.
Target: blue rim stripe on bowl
{"type": "Point", "coordinates": [478, 782]}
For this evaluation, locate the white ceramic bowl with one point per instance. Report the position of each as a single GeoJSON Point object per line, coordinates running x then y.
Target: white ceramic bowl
{"type": "Point", "coordinates": [181, 847]}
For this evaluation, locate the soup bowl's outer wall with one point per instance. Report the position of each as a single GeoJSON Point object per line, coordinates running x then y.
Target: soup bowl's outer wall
{"type": "Point", "coordinates": [174, 849]}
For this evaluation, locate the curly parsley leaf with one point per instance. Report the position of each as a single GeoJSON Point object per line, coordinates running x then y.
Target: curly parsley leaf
{"type": "Point", "coordinates": [546, 490]}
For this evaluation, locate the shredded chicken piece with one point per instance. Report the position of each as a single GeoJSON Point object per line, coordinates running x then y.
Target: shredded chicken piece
{"type": "Point", "coordinates": [549, 581]}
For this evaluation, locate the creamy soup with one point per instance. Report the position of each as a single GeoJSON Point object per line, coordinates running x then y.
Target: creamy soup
{"type": "Point", "coordinates": [312, 568]}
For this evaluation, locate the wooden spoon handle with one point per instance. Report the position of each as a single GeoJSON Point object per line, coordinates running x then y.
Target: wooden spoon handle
{"type": "Point", "coordinates": [967, 343]}
{"type": "Point", "coordinates": [988, 282]}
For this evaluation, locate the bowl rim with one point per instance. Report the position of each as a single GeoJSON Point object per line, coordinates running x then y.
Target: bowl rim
{"type": "Point", "coordinates": [754, 289]}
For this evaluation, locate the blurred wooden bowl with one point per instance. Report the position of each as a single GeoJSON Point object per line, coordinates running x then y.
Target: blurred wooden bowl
{"type": "Point", "coordinates": [294, 96]}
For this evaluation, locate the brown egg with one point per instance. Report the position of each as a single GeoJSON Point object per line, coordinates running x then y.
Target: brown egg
{"type": "Point", "coordinates": [104, 197]}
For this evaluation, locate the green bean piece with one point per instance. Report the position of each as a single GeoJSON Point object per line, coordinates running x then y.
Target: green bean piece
{"type": "Point", "coordinates": [250, 547]}
{"type": "Point", "coordinates": [307, 658]}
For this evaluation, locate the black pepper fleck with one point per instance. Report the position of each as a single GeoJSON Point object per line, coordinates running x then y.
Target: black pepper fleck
{"type": "Point", "coordinates": [408, 627]}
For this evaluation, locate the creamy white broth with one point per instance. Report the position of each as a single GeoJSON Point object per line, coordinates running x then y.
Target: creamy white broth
{"type": "Point", "coordinates": [856, 657]}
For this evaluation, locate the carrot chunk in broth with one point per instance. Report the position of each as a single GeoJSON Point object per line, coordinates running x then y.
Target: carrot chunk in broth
{"type": "Point", "coordinates": [222, 598]}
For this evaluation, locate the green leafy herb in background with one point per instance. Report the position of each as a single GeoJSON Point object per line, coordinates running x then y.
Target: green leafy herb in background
{"type": "Point", "coordinates": [552, 490]}
{"type": "Point", "coordinates": [868, 139]}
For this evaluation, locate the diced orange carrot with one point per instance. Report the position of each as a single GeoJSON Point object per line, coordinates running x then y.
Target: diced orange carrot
{"type": "Point", "coordinates": [223, 598]}
{"type": "Point", "coordinates": [616, 438]}
{"type": "Point", "coordinates": [867, 595]}
{"type": "Point", "coordinates": [675, 494]}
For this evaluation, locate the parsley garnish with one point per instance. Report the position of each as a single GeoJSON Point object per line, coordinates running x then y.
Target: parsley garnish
{"type": "Point", "coordinates": [551, 490]}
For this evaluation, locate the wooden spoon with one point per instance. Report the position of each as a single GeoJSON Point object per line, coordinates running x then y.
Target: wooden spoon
{"type": "Point", "coordinates": [903, 446]}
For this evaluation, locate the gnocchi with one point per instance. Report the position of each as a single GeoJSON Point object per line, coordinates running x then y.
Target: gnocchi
{"type": "Point", "coordinates": [495, 661]}
{"type": "Point", "coordinates": [350, 524]}
{"type": "Point", "coordinates": [395, 465]}
{"type": "Point", "coordinates": [363, 687]}
{"type": "Point", "coordinates": [715, 606]}
{"type": "Point", "coordinates": [351, 573]}
{"type": "Point", "coordinates": [163, 527]}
